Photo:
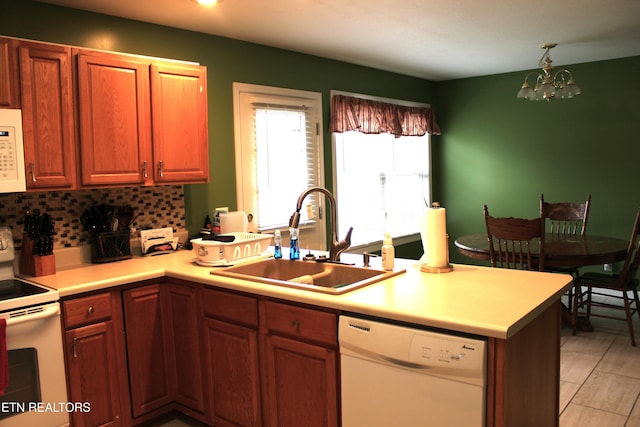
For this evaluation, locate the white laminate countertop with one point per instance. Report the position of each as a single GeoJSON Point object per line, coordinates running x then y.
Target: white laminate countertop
{"type": "Point", "coordinates": [471, 299]}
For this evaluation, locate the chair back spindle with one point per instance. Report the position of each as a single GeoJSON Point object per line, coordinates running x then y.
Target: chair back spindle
{"type": "Point", "coordinates": [565, 218]}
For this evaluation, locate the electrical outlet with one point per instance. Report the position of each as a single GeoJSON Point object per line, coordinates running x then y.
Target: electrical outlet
{"type": "Point", "coordinates": [608, 268]}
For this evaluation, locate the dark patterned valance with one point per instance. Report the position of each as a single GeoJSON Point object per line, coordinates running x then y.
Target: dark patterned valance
{"type": "Point", "coordinates": [367, 116]}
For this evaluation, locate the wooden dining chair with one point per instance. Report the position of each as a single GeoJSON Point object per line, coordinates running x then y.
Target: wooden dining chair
{"type": "Point", "coordinates": [613, 291]}
{"type": "Point", "coordinates": [565, 218]}
{"type": "Point", "coordinates": [512, 242]}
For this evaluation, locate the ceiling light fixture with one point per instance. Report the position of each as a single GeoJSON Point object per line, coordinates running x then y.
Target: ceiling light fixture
{"type": "Point", "coordinates": [560, 85]}
{"type": "Point", "coordinates": [207, 2]}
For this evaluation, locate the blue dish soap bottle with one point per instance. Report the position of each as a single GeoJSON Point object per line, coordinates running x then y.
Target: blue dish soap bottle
{"type": "Point", "coordinates": [277, 253]}
{"type": "Point", "coordinates": [294, 249]}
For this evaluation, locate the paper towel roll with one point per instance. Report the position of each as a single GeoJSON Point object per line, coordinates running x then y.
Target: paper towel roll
{"type": "Point", "coordinates": [434, 235]}
{"type": "Point", "coordinates": [231, 222]}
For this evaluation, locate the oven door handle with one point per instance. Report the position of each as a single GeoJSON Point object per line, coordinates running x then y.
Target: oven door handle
{"type": "Point", "coordinates": [50, 311]}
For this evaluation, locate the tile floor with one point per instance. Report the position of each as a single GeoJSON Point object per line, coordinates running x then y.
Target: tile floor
{"type": "Point", "coordinates": [177, 421]}
{"type": "Point", "coordinates": [600, 376]}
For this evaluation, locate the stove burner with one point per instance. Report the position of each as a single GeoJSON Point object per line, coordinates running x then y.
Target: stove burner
{"type": "Point", "coordinates": [14, 288]}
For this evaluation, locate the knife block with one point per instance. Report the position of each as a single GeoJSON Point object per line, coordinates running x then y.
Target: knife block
{"type": "Point", "coordinates": [35, 265]}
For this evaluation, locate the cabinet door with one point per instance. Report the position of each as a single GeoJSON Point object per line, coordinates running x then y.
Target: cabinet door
{"type": "Point", "coordinates": [301, 384]}
{"type": "Point", "coordinates": [232, 352]}
{"type": "Point", "coordinates": [47, 115]}
{"type": "Point", "coordinates": [115, 135]}
{"type": "Point", "coordinates": [179, 117]}
{"type": "Point", "coordinates": [8, 75]}
{"type": "Point", "coordinates": [92, 368]}
{"type": "Point", "coordinates": [148, 351]}
{"type": "Point", "coordinates": [183, 302]}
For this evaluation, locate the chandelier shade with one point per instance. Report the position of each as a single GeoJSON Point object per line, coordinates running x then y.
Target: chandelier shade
{"type": "Point", "coordinates": [549, 85]}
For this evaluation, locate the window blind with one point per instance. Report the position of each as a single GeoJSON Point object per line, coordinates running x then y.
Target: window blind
{"type": "Point", "coordinates": [286, 153]}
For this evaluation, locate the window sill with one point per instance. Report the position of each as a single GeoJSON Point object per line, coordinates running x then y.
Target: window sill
{"type": "Point", "coordinates": [375, 246]}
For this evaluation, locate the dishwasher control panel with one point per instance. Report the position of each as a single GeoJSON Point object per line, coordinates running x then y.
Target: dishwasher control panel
{"type": "Point", "coordinates": [445, 351]}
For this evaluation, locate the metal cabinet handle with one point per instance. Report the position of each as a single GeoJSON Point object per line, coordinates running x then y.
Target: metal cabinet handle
{"type": "Point", "coordinates": [160, 173]}
{"type": "Point", "coordinates": [32, 170]}
{"type": "Point", "coordinates": [90, 310]}
{"type": "Point", "coordinates": [75, 352]}
{"type": "Point", "coordinates": [295, 324]}
{"type": "Point", "coordinates": [144, 169]}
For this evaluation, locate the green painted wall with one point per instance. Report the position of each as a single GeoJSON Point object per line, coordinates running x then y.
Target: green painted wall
{"type": "Point", "coordinates": [502, 151]}
{"type": "Point", "coordinates": [495, 149]}
{"type": "Point", "coordinates": [227, 61]}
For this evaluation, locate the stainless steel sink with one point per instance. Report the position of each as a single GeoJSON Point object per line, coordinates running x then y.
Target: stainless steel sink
{"type": "Point", "coordinates": [326, 277]}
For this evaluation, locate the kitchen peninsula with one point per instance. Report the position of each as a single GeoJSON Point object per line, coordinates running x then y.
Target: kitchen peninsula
{"type": "Point", "coordinates": [518, 313]}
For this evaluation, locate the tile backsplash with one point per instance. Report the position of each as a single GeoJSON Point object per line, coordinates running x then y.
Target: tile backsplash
{"type": "Point", "coordinates": [156, 207]}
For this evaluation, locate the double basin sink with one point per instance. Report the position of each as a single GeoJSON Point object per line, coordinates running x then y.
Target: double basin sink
{"type": "Point", "coordinates": [325, 277]}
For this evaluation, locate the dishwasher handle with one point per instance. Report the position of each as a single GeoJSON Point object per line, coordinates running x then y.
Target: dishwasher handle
{"type": "Point", "coordinates": [403, 363]}
{"type": "Point", "coordinates": [374, 356]}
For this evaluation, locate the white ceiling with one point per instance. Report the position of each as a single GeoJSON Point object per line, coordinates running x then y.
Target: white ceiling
{"type": "Point", "coordinates": [433, 39]}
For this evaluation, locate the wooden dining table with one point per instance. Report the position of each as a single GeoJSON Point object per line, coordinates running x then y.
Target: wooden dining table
{"type": "Point", "coordinates": [559, 250]}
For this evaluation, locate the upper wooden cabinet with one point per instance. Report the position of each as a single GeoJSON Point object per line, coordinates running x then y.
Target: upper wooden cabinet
{"type": "Point", "coordinates": [46, 88]}
{"type": "Point", "coordinates": [141, 122]}
{"type": "Point", "coordinates": [103, 119]}
{"type": "Point", "coordinates": [114, 118]}
{"type": "Point", "coordinates": [179, 123]}
{"type": "Point", "coordinates": [8, 85]}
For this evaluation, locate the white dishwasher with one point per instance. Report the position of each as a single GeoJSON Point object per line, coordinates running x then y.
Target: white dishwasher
{"type": "Point", "coordinates": [394, 375]}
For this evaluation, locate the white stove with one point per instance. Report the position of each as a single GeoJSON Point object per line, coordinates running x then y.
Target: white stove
{"type": "Point", "coordinates": [16, 293]}
{"type": "Point", "coordinates": [34, 358]}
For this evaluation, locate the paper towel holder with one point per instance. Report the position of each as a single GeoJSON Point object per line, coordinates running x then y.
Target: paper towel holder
{"type": "Point", "coordinates": [426, 268]}
{"type": "Point", "coordinates": [446, 269]}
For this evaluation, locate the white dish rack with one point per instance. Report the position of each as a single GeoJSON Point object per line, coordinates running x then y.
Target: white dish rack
{"type": "Point", "coordinates": [245, 245]}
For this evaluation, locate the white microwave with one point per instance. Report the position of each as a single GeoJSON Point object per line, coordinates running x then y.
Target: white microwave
{"type": "Point", "coordinates": [12, 178]}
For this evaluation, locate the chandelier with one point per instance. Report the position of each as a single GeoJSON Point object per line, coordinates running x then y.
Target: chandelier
{"type": "Point", "coordinates": [548, 85]}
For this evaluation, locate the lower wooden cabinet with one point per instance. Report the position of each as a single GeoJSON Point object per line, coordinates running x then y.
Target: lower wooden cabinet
{"type": "Point", "coordinates": [221, 357]}
{"type": "Point", "coordinates": [300, 357]}
{"type": "Point", "coordinates": [92, 352]}
{"type": "Point", "coordinates": [162, 330]}
{"type": "Point", "coordinates": [232, 358]}
{"type": "Point", "coordinates": [92, 359]}
{"type": "Point", "coordinates": [185, 332]}
{"type": "Point", "coordinates": [235, 387]}
{"type": "Point", "coordinates": [270, 363]}
{"type": "Point", "coordinates": [149, 354]}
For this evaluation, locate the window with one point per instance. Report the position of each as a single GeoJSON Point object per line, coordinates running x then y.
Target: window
{"type": "Point", "coordinates": [383, 183]}
{"type": "Point", "coordinates": [278, 135]}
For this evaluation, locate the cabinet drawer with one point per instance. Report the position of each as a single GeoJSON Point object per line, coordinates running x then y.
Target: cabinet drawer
{"type": "Point", "coordinates": [231, 307]}
{"type": "Point", "coordinates": [302, 322]}
{"type": "Point", "coordinates": [86, 310]}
